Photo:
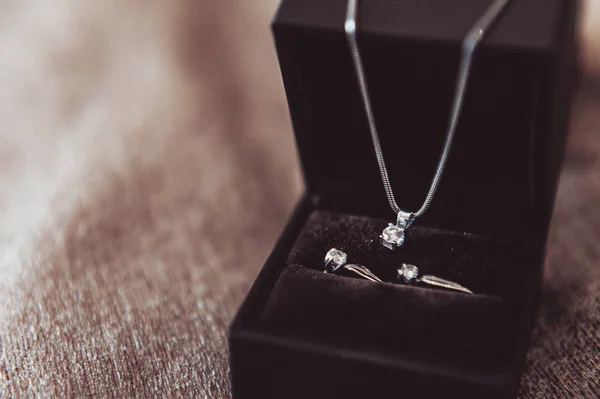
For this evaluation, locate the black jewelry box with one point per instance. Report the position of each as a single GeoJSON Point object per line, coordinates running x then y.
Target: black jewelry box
{"type": "Point", "coordinates": [302, 333]}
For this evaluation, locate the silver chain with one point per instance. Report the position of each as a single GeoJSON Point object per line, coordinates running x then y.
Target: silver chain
{"type": "Point", "coordinates": [469, 45]}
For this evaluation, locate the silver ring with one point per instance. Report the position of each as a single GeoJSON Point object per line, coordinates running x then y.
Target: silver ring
{"type": "Point", "coordinates": [336, 259]}
{"type": "Point", "coordinates": [410, 274]}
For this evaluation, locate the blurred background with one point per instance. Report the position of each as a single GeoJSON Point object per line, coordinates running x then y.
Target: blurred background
{"type": "Point", "coordinates": [147, 166]}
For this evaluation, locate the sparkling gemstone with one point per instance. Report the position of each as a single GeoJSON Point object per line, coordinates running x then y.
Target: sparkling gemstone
{"type": "Point", "coordinates": [408, 272]}
{"type": "Point", "coordinates": [335, 258]}
{"type": "Point", "coordinates": [392, 236]}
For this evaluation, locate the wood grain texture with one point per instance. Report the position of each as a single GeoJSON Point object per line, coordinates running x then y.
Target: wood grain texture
{"type": "Point", "coordinates": [147, 166]}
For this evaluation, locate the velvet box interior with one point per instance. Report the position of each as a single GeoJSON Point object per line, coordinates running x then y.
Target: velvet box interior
{"type": "Point", "coordinates": [304, 333]}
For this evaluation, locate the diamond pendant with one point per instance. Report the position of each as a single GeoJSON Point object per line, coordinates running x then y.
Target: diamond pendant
{"type": "Point", "coordinates": [393, 235]}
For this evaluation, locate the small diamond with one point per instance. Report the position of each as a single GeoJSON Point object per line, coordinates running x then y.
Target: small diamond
{"type": "Point", "coordinates": [392, 237]}
{"type": "Point", "coordinates": [335, 259]}
{"type": "Point", "coordinates": [408, 272]}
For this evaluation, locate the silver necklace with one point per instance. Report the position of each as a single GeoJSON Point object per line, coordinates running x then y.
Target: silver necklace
{"type": "Point", "coordinates": [393, 235]}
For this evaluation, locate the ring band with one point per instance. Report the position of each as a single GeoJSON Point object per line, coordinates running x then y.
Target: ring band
{"type": "Point", "coordinates": [410, 273]}
{"type": "Point", "coordinates": [336, 259]}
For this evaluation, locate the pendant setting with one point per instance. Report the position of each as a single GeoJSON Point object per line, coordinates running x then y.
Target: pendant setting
{"type": "Point", "coordinates": [393, 235]}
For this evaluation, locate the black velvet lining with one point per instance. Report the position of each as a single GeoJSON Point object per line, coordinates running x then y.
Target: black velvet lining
{"type": "Point", "coordinates": [415, 323]}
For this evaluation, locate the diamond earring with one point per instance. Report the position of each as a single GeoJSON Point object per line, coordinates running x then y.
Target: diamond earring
{"type": "Point", "coordinates": [336, 259]}
{"type": "Point", "coordinates": [410, 274]}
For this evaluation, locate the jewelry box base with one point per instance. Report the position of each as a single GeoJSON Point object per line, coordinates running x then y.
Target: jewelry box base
{"type": "Point", "coordinates": [304, 333]}
{"type": "Point", "coordinates": [301, 333]}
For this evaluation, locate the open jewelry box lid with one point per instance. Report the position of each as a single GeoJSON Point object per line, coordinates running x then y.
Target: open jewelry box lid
{"type": "Point", "coordinates": [501, 175]}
